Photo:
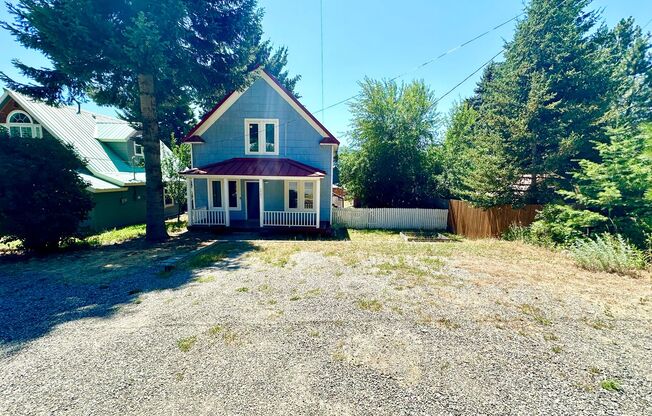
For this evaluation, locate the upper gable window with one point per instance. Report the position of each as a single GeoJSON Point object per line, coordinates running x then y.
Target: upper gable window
{"type": "Point", "coordinates": [20, 124]}
{"type": "Point", "coordinates": [261, 136]}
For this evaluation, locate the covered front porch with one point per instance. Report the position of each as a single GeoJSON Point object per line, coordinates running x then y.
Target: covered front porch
{"type": "Point", "coordinates": [250, 194]}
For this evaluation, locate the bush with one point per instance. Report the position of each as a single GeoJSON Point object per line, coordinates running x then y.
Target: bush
{"type": "Point", "coordinates": [42, 198]}
{"type": "Point", "coordinates": [533, 234]}
{"type": "Point", "coordinates": [608, 253]}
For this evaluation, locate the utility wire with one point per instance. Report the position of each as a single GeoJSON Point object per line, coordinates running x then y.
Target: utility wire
{"type": "Point", "coordinates": [430, 61]}
{"type": "Point", "coordinates": [469, 76]}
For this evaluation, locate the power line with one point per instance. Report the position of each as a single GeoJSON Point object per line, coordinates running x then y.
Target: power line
{"type": "Point", "coordinates": [646, 25]}
{"type": "Point", "coordinates": [469, 76]}
{"type": "Point", "coordinates": [321, 34]}
{"type": "Point", "coordinates": [430, 61]}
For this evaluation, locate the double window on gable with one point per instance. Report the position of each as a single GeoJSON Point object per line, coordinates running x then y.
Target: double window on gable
{"type": "Point", "coordinates": [299, 195]}
{"type": "Point", "coordinates": [261, 136]}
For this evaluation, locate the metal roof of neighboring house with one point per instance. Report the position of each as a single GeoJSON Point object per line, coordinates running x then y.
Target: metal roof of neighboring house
{"type": "Point", "coordinates": [112, 130]}
{"type": "Point", "coordinates": [260, 167]}
{"type": "Point", "coordinates": [98, 185]}
{"type": "Point", "coordinates": [86, 131]}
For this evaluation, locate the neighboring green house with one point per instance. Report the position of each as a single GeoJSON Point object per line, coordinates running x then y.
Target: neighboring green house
{"type": "Point", "coordinates": [108, 146]}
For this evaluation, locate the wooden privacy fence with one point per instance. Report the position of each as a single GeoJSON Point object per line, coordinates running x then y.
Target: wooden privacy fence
{"type": "Point", "coordinates": [472, 222]}
{"type": "Point", "coordinates": [391, 218]}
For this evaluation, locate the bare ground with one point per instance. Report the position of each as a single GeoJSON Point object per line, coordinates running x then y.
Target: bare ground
{"type": "Point", "coordinates": [368, 326]}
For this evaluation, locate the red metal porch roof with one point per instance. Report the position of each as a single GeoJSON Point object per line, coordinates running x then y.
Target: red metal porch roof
{"type": "Point", "coordinates": [245, 166]}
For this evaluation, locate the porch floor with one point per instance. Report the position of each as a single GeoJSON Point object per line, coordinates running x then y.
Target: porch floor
{"type": "Point", "coordinates": [254, 227]}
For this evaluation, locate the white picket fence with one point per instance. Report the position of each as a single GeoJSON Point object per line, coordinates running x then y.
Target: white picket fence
{"type": "Point", "coordinates": [391, 218]}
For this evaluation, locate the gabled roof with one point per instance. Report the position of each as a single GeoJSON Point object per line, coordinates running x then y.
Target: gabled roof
{"type": "Point", "coordinates": [87, 132]}
{"type": "Point", "coordinates": [226, 102]}
{"type": "Point", "coordinates": [259, 167]}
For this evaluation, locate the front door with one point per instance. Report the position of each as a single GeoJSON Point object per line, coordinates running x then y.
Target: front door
{"type": "Point", "coordinates": [253, 201]}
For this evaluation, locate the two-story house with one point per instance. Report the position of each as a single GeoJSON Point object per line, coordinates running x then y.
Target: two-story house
{"type": "Point", "coordinates": [260, 159]}
{"type": "Point", "coordinates": [108, 147]}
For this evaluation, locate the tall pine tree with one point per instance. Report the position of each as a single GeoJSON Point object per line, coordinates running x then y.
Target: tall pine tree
{"type": "Point", "coordinates": [150, 52]}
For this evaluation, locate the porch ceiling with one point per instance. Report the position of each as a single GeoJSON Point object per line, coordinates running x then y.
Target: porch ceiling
{"type": "Point", "coordinates": [257, 167]}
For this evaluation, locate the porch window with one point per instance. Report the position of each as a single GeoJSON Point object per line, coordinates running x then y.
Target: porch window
{"type": "Point", "coordinates": [233, 194]}
{"type": "Point", "coordinates": [308, 195]}
{"type": "Point", "coordinates": [216, 190]}
{"type": "Point", "coordinates": [234, 201]}
{"type": "Point", "coordinates": [300, 195]}
{"type": "Point", "coordinates": [261, 136]}
{"type": "Point", "coordinates": [20, 124]}
{"type": "Point", "coordinates": [293, 195]}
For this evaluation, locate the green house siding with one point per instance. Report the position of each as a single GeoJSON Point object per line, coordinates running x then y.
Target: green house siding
{"type": "Point", "coordinates": [117, 209]}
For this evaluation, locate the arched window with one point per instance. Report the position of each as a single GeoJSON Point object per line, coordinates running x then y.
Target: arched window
{"type": "Point", "coordinates": [20, 124]}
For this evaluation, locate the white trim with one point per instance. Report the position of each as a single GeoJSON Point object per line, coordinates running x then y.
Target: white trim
{"type": "Point", "coordinates": [11, 114]}
{"type": "Point", "coordinates": [262, 135]}
{"type": "Point", "coordinates": [142, 150]}
{"type": "Point", "coordinates": [35, 128]}
{"type": "Point", "coordinates": [261, 201]}
{"type": "Point", "coordinates": [316, 198]}
{"type": "Point", "coordinates": [224, 185]}
{"type": "Point", "coordinates": [330, 193]}
{"type": "Point", "coordinates": [236, 95]}
{"type": "Point", "coordinates": [238, 191]}
{"type": "Point", "coordinates": [300, 195]}
{"type": "Point", "coordinates": [217, 114]}
{"type": "Point", "coordinates": [102, 191]}
{"type": "Point", "coordinates": [255, 178]}
{"type": "Point", "coordinates": [293, 103]}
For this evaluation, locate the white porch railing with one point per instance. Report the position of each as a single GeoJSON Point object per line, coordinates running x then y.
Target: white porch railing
{"type": "Point", "coordinates": [207, 217]}
{"type": "Point", "coordinates": [290, 218]}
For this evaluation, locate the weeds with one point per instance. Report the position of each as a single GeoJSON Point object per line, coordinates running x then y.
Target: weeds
{"type": "Point", "coordinates": [610, 385]}
{"type": "Point", "coordinates": [370, 305]}
{"type": "Point", "coordinates": [534, 313]}
{"type": "Point", "coordinates": [185, 344]}
{"type": "Point", "coordinates": [608, 253]}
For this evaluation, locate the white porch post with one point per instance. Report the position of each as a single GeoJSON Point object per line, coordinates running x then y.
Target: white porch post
{"type": "Point", "coordinates": [261, 199]}
{"type": "Point", "coordinates": [225, 201]}
{"type": "Point", "coordinates": [317, 201]}
{"type": "Point", "coordinates": [189, 199]}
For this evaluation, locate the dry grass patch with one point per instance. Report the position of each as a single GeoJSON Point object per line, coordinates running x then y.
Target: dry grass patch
{"type": "Point", "coordinates": [371, 305]}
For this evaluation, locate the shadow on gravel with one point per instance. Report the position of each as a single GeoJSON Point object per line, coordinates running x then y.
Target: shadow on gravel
{"type": "Point", "coordinates": [38, 294]}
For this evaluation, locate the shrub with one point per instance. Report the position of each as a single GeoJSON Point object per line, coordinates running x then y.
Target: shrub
{"type": "Point", "coordinates": [608, 253]}
{"type": "Point", "coordinates": [42, 198]}
{"type": "Point", "coordinates": [534, 234]}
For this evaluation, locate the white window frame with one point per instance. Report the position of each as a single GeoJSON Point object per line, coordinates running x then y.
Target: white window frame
{"type": "Point", "coordinates": [165, 204]}
{"type": "Point", "coordinates": [301, 185]}
{"type": "Point", "coordinates": [37, 131]}
{"type": "Point", "coordinates": [142, 149]}
{"type": "Point", "coordinates": [238, 207]}
{"type": "Point", "coordinates": [261, 135]}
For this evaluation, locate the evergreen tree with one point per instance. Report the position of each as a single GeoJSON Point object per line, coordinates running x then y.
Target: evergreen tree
{"type": "Point", "coordinates": [627, 53]}
{"type": "Point", "coordinates": [613, 193]}
{"type": "Point", "coordinates": [544, 105]}
{"type": "Point", "coordinates": [162, 49]}
{"type": "Point", "coordinates": [44, 204]}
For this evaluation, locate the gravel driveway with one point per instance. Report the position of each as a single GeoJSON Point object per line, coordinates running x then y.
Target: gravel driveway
{"type": "Point", "coordinates": [368, 326]}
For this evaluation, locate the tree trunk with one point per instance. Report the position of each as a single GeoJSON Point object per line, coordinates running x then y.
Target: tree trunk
{"type": "Point", "coordinates": [155, 230]}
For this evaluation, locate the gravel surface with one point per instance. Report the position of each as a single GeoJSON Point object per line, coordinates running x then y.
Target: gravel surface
{"type": "Point", "coordinates": [369, 326]}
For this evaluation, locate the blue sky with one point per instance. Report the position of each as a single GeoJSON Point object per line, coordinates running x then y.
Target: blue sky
{"type": "Point", "coordinates": [379, 39]}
